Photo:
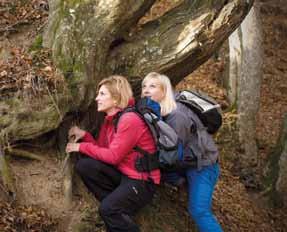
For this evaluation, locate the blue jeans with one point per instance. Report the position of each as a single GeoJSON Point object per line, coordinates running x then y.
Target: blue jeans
{"type": "Point", "coordinates": [200, 189]}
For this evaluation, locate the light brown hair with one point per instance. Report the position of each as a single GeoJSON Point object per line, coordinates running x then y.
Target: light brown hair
{"type": "Point", "coordinates": [120, 89]}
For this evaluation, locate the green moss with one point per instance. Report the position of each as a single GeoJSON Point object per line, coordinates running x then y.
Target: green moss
{"type": "Point", "coordinates": [232, 108]}
{"type": "Point", "coordinates": [37, 44]}
{"type": "Point", "coordinates": [24, 2]}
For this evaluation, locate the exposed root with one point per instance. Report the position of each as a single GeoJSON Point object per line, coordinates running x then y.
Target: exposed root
{"type": "Point", "coordinates": [7, 179]}
{"type": "Point", "coordinates": [68, 181]}
{"type": "Point", "coordinates": [24, 154]}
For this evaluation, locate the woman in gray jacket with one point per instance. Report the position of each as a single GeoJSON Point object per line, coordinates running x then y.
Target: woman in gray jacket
{"type": "Point", "coordinates": [201, 180]}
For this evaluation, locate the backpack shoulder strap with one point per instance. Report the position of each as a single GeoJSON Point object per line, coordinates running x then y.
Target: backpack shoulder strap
{"type": "Point", "coordinates": [119, 114]}
{"type": "Point", "coordinates": [148, 162]}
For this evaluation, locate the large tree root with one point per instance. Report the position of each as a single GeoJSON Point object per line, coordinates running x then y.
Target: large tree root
{"type": "Point", "coordinates": [68, 180]}
{"type": "Point", "coordinates": [24, 154]}
{"type": "Point", "coordinates": [7, 179]}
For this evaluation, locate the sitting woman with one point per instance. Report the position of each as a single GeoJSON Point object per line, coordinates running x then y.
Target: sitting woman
{"type": "Point", "coordinates": [201, 182]}
{"type": "Point", "coordinates": [109, 170]}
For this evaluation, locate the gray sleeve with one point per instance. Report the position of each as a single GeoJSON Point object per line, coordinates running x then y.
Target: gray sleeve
{"type": "Point", "coordinates": [181, 124]}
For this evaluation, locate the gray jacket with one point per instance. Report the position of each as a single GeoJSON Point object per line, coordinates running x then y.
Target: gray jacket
{"type": "Point", "coordinates": [196, 140]}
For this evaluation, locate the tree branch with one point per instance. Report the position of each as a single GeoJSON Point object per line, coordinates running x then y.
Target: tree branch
{"type": "Point", "coordinates": [178, 42]}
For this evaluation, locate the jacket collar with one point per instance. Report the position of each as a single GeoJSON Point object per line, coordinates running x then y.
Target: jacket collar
{"type": "Point", "coordinates": [112, 116]}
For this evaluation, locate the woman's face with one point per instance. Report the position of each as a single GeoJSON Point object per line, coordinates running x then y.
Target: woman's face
{"type": "Point", "coordinates": [153, 89]}
{"type": "Point", "coordinates": [105, 101]}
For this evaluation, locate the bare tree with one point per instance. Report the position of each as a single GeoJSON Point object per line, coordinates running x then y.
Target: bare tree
{"type": "Point", "coordinates": [245, 74]}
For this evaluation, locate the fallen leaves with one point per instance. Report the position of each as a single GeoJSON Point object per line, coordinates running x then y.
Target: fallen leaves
{"type": "Point", "coordinates": [30, 72]}
{"type": "Point", "coordinates": [24, 219]}
{"type": "Point", "coordinates": [208, 82]}
{"type": "Point", "coordinates": [13, 14]}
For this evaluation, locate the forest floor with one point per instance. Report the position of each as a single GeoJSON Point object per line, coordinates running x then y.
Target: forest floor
{"type": "Point", "coordinates": [39, 205]}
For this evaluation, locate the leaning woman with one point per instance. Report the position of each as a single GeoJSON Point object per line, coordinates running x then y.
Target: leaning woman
{"type": "Point", "coordinates": [201, 182]}
{"type": "Point", "coordinates": [109, 170]}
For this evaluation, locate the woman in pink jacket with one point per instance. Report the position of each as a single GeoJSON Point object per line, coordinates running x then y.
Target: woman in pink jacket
{"type": "Point", "coordinates": [109, 170]}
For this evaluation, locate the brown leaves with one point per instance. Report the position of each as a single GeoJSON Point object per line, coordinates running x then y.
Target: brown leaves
{"type": "Point", "coordinates": [206, 78]}
{"type": "Point", "coordinates": [158, 9]}
{"type": "Point", "coordinates": [273, 105]}
{"type": "Point", "coordinates": [16, 13]}
{"type": "Point", "coordinates": [33, 73]}
{"type": "Point", "coordinates": [24, 218]}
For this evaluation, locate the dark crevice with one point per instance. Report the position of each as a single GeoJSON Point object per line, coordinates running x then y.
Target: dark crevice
{"type": "Point", "coordinates": [117, 42]}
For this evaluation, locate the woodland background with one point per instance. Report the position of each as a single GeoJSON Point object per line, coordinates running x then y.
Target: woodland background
{"type": "Point", "coordinates": [244, 200]}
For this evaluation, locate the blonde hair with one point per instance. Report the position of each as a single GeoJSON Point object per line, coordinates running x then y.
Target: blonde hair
{"type": "Point", "coordinates": [120, 89]}
{"type": "Point", "coordinates": [168, 103]}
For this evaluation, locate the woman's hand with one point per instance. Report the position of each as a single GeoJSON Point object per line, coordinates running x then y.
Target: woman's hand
{"type": "Point", "coordinates": [77, 133]}
{"type": "Point", "coordinates": [72, 147]}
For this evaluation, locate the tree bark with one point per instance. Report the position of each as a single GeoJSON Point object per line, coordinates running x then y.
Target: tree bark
{"type": "Point", "coordinates": [250, 85]}
{"type": "Point", "coordinates": [234, 63]}
{"type": "Point", "coordinates": [245, 75]}
{"type": "Point", "coordinates": [89, 45]}
{"type": "Point", "coordinates": [80, 35]}
{"type": "Point", "coordinates": [178, 42]}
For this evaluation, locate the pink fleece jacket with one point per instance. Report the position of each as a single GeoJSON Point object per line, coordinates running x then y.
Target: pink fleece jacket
{"type": "Point", "coordinates": [117, 148]}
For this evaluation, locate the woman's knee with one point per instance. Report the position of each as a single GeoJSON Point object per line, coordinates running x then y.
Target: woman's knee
{"type": "Point", "coordinates": [105, 208]}
{"type": "Point", "coordinates": [85, 166]}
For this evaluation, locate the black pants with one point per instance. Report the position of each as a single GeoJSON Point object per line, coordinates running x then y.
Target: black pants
{"type": "Point", "coordinates": [121, 197]}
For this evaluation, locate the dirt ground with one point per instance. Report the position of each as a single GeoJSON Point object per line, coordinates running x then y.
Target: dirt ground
{"type": "Point", "coordinates": [40, 205]}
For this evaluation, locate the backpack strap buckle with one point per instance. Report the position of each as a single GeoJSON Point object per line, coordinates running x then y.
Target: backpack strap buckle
{"type": "Point", "coordinates": [147, 162]}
